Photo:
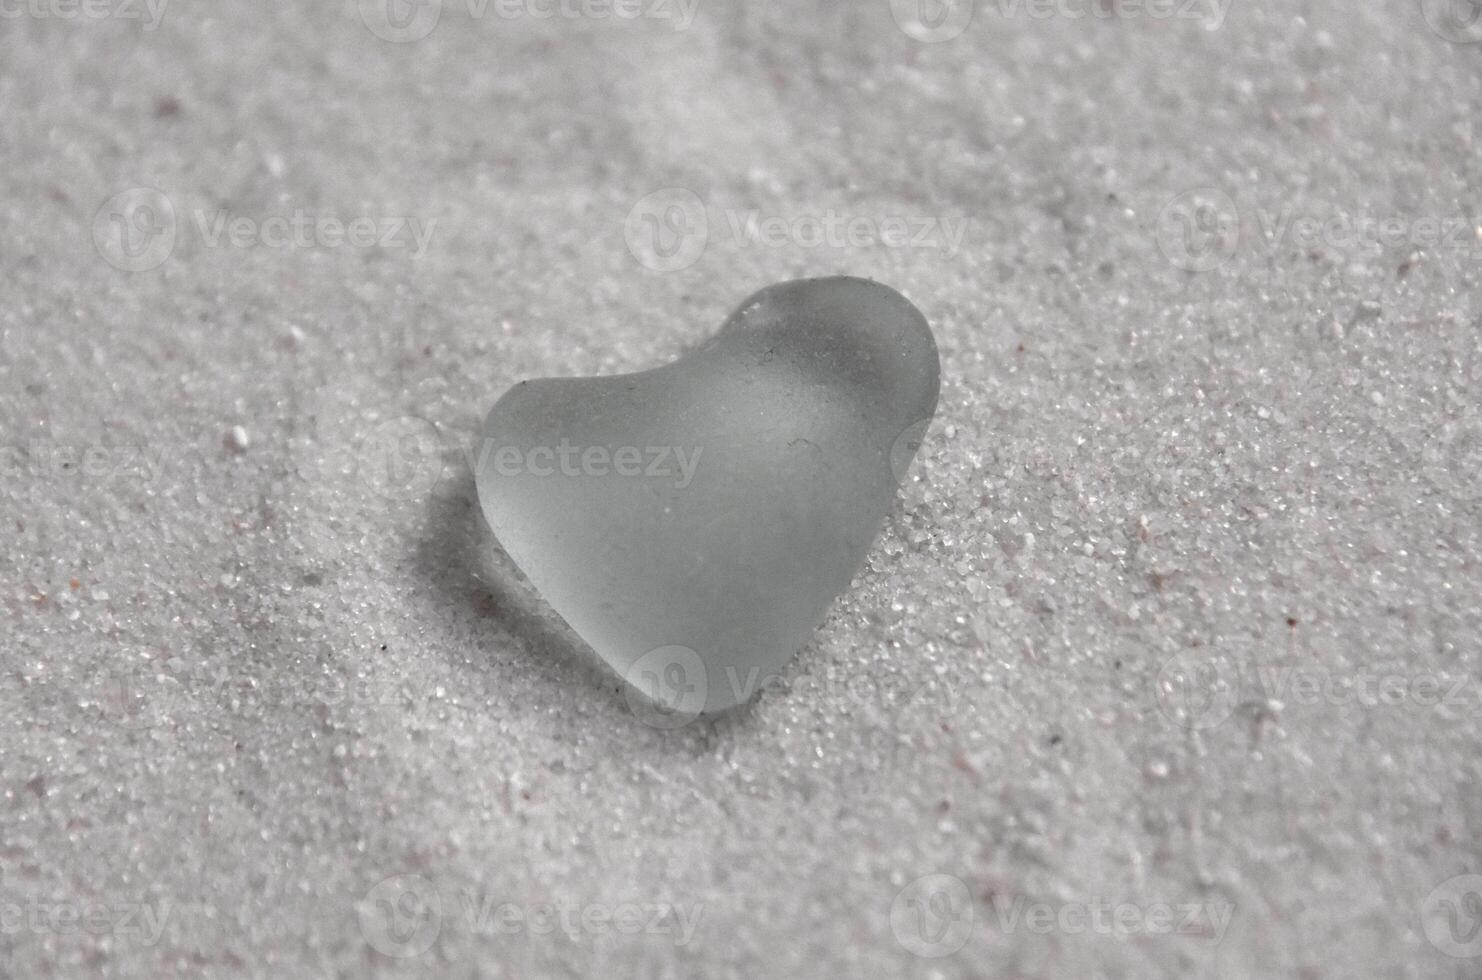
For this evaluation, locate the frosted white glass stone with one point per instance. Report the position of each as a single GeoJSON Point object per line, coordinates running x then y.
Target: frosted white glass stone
{"type": "Point", "coordinates": [693, 522]}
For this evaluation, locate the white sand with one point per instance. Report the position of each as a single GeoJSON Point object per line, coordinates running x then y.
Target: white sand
{"type": "Point", "coordinates": [248, 677]}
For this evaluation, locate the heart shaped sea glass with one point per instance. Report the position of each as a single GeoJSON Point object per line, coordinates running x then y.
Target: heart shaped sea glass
{"type": "Point", "coordinates": [693, 522]}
